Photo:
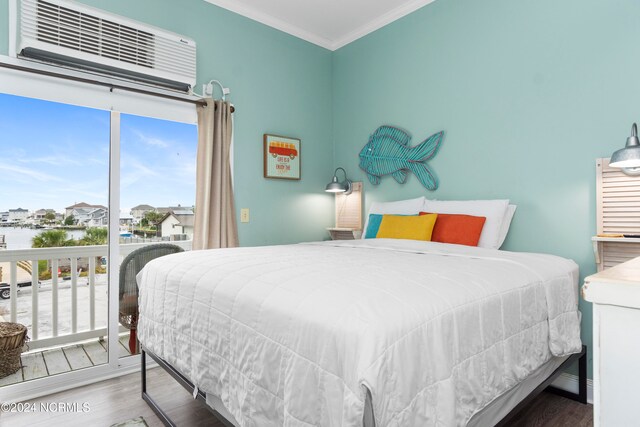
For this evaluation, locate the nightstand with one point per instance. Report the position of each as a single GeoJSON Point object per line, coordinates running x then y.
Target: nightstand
{"type": "Point", "coordinates": [344, 233]}
{"type": "Point", "coordinates": [615, 294]}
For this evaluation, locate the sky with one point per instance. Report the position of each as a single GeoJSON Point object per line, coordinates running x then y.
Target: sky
{"type": "Point", "coordinates": [54, 155]}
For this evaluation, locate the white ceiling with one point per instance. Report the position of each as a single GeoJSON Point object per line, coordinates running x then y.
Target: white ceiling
{"type": "Point", "coordinates": [327, 23]}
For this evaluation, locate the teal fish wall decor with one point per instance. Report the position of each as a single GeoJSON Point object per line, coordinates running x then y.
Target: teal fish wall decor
{"type": "Point", "coordinates": [388, 153]}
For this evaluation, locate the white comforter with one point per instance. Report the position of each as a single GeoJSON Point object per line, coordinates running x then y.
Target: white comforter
{"type": "Point", "coordinates": [291, 335]}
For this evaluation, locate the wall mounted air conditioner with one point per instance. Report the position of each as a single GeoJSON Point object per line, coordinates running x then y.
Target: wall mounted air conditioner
{"type": "Point", "coordinates": [74, 35]}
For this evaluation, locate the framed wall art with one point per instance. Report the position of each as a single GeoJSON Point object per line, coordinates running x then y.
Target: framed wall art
{"type": "Point", "coordinates": [281, 157]}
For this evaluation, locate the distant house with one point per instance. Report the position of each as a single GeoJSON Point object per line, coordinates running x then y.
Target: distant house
{"type": "Point", "coordinates": [82, 205]}
{"type": "Point", "coordinates": [126, 219]}
{"type": "Point", "coordinates": [138, 212]}
{"type": "Point", "coordinates": [4, 217]}
{"type": "Point", "coordinates": [178, 210]}
{"type": "Point", "coordinates": [173, 224]}
{"type": "Point", "coordinates": [91, 217]}
{"type": "Point", "coordinates": [17, 215]}
{"type": "Point", "coordinates": [40, 214]}
{"type": "Point", "coordinates": [88, 215]}
{"type": "Point", "coordinates": [184, 211]}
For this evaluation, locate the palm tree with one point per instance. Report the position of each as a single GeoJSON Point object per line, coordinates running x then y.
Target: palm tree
{"type": "Point", "coordinates": [51, 239]}
{"type": "Point", "coordinates": [94, 236]}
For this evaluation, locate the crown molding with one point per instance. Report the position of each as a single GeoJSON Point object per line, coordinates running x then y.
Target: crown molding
{"type": "Point", "coordinates": [288, 28]}
{"type": "Point", "coordinates": [270, 21]}
{"type": "Point", "coordinates": [380, 22]}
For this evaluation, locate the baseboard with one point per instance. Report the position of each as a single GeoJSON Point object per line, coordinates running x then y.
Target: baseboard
{"type": "Point", "coordinates": [569, 383]}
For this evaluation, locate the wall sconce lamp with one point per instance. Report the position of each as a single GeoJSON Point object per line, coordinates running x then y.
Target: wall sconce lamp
{"type": "Point", "coordinates": [339, 187]}
{"type": "Point", "coordinates": [628, 158]}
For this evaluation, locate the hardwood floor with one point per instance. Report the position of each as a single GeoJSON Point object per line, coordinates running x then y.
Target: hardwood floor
{"type": "Point", "coordinates": [549, 410]}
{"type": "Point", "coordinates": [118, 399]}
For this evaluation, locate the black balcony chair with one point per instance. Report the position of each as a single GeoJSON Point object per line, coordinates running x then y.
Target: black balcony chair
{"type": "Point", "coordinates": [130, 267]}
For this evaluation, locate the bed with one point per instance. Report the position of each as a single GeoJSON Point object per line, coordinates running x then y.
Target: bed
{"type": "Point", "coordinates": [382, 332]}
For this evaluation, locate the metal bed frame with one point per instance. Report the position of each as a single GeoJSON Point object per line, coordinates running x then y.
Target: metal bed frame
{"type": "Point", "coordinates": [181, 379]}
{"type": "Point", "coordinates": [581, 396]}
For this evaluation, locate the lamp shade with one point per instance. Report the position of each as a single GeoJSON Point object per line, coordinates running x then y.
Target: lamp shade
{"type": "Point", "coordinates": [628, 158]}
{"type": "Point", "coordinates": [336, 186]}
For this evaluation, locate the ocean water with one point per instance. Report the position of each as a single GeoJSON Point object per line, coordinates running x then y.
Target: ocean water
{"type": "Point", "coordinates": [20, 238]}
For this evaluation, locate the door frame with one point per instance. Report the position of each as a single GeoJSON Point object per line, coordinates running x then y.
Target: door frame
{"type": "Point", "coordinates": [47, 88]}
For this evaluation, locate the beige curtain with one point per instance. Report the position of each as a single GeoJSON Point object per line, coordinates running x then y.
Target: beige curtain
{"type": "Point", "coordinates": [215, 220]}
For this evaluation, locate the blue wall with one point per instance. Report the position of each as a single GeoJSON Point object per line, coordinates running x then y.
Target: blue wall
{"type": "Point", "coordinates": [529, 94]}
{"type": "Point", "coordinates": [279, 84]}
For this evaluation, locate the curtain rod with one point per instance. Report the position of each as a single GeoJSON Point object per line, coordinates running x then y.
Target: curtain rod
{"type": "Point", "coordinates": [112, 86]}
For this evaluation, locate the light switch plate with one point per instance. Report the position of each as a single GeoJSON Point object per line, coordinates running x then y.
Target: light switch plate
{"type": "Point", "coordinates": [244, 215]}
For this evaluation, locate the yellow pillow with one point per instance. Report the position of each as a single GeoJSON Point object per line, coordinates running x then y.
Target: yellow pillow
{"type": "Point", "coordinates": [407, 227]}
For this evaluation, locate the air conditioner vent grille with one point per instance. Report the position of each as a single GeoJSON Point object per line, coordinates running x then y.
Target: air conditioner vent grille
{"type": "Point", "coordinates": [68, 28]}
{"type": "Point", "coordinates": [73, 34]}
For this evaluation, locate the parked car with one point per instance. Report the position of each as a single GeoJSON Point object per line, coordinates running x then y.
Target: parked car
{"type": "Point", "coordinates": [5, 290]}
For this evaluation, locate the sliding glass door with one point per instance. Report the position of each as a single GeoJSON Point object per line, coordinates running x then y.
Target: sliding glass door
{"type": "Point", "coordinates": [80, 188]}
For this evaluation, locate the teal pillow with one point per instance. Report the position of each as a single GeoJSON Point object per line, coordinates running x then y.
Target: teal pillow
{"type": "Point", "coordinates": [373, 226]}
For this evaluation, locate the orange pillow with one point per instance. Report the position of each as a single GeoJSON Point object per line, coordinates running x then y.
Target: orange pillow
{"type": "Point", "coordinates": [457, 229]}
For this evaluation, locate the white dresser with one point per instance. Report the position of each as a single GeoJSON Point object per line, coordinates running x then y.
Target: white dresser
{"type": "Point", "coordinates": [615, 294]}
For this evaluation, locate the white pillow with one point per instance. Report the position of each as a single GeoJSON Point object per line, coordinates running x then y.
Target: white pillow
{"type": "Point", "coordinates": [401, 207]}
{"type": "Point", "coordinates": [493, 210]}
{"type": "Point", "coordinates": [506, 222]}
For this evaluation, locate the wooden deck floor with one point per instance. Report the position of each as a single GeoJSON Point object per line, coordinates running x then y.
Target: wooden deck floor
{"type": "Point", "coordinates": [38, 364]}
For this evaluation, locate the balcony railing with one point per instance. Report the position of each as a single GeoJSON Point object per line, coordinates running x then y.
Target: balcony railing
{"type": "Point", "coordinates": [55, 321]}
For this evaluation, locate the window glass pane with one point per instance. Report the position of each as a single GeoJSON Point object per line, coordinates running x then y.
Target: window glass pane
{"type": "Point", "coordinates": [158, 177]}
{"type": "Point", "coordinates": [157, 184]}
{"type": "Point", "coordinates": [54, 171]}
